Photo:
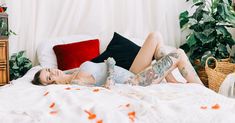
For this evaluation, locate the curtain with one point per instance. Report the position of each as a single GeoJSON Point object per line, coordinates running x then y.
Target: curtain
{"type": "Point", "coordinates": [35, 20]}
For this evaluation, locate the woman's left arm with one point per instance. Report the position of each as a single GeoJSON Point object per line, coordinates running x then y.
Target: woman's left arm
{"type": "Point", "coordinates": [110, 62]}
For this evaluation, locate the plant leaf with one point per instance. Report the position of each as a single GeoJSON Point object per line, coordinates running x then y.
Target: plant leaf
{"type": "Point", "coordinates": [183, 18]}
{"type": "Point", "coordinates": [191, 40]}
{"type": "Point", "coordinates": [222, 30]}
{"type": "Point", "coordinates": [185, 47]}
{"type": "Point", "coordinates": [207, 18]}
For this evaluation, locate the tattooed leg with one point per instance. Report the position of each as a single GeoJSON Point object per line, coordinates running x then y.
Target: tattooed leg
{"type": "Point", "coordinates": [110, 62]}
{"type": "Point", "coordinates": [160, 51]}
{"type": "Point", "coordinates": [186, 69]}
{"type": "Point", "coordinates": [156, 72]}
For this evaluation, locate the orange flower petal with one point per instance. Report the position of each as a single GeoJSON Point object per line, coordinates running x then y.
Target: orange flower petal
{"type": "Point", "coordinates": [96, 90]}
{"type": "Point", "coordinates": [203, 107]}
{"type": "Point", "coordinates": [52, 105]}
{"type": "Point", "coordinates": [46, 93]}
{"type": "Point", "coordinates": [77, 89]}
{"type": "Point", "coordinates": [216, 106]}
{"type": "Point", "coordinates": [68, 88]}
{"type": "Point", "coordinates": [131, 116]}
{"type": "Point", "coordinates": [91, 115]}
{"type": "Point", "coordinates": [99, 121]}
{"type": "Point", "coordinates": [53, 112]}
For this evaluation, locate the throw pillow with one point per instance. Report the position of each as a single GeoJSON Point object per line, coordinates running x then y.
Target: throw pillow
{"type": "Point", "coordinates": [121, 49]}
{"type": "Point", "coordinates": [72, 55]}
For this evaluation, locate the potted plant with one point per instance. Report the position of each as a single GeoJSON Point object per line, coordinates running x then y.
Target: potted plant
{"type": "Point", "coordinates": [208, 30]}
{"type": "Point", "coordinates": [4, 31]}
{"type": "Point", "coordinates": [19, 65]}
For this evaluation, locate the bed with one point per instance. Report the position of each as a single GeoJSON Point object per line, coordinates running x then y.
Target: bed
{"type": "Point", "coordinates": [22, 102]}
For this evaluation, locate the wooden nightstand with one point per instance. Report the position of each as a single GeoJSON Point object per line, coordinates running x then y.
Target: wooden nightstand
{"type": "Point", "coordinates": [4, 64]}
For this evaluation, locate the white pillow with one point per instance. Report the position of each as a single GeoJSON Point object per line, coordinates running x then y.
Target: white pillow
{"type": "Point", "coordinates": [45, 53]}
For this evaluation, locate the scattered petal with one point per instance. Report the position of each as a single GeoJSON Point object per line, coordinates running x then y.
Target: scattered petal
{"type": "Point", "coordinates": [131, 116]}
{"type": "Point", "coordinates": [77, 89]}
{"type": "Point", "coordinates": [216, 106]}
{"type": "Point", "coordinates": [46, 93]}
{"type": "Point", "coordinates": [52, 105]}
{"type": "Point", "coordinates": [53, 112]}
{"type": "Point", "coordinates": [96, 90]}
{"type": "Point", "coordinates": [68, 88]}
{"type": "Point", "coordinates": [99, 121]}
{"type": "Point", "coordinates": [203, 107]}
{"type": "Point", "coordinates": [91, 115]}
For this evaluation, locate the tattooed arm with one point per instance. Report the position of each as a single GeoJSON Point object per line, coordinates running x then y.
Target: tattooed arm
{"type": "Point", "coordinates": [110, 62]}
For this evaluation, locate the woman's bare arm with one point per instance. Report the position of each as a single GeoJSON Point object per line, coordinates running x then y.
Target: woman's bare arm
{"type": "Point", "coordinates": [110, 62]}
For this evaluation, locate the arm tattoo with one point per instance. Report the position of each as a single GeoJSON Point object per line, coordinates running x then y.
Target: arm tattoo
{"type": "Point", "coordinates": [154, 72]}
{"type": "Point", "coordinates": [110, 62]}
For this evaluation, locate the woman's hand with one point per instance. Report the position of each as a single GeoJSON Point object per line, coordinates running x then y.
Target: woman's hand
{"type": "Point", "coordinates": [109, 83]}
{"type": "Point", "coordinates": [110, 62]}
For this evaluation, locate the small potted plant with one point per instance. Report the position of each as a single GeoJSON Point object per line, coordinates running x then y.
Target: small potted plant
{"type": "Point", "coordinates": [19, 65]}
{"type": "Point", "coordinates": [4, 31]}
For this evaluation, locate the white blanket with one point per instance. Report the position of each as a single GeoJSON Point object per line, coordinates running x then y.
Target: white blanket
{"type": "Point", "coordinates": [22, 102]}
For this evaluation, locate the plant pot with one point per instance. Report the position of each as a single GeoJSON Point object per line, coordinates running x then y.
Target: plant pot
{"type": "Point", "coordinates": [202, 72]}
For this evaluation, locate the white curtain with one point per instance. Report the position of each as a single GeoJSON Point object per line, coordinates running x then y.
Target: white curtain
{"type": "Point", "coordinates": [34, 20]}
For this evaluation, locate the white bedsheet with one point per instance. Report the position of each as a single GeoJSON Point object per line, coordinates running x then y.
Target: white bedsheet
{"type": "Point", "coordinates": [22, 102]}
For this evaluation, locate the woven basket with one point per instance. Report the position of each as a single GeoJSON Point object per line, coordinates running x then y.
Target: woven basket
{"type": "Point", "coordinates": [217, 74]}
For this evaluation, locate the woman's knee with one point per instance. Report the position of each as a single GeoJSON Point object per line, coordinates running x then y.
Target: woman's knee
{"type": "Point", "coordinates": [182, 54]}
{"type": "Point", "coordinates": [156, 36]}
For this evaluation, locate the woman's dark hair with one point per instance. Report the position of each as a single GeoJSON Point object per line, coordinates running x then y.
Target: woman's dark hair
{"type": "Point", "coordinates": [36, 79]}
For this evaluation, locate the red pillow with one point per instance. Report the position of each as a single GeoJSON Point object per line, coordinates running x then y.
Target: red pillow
{"type": "Point", "coordinates": [74, 54]}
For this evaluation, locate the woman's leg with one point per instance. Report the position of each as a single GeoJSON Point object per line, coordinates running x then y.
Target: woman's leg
{"type": "Point", "coordinates": [145, 56]}
{"type": "Point", "coordinates": [152, 47]}
{"type": "Point", "coordinates": [156, 72]}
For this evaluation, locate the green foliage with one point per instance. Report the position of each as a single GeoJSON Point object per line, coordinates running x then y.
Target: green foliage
{"type": "Point", "coordinates": [208, 24]}
{"type": "Point", "coordinates": [4, 25]}
{"type": "Point", "coordinates": [19, 65]}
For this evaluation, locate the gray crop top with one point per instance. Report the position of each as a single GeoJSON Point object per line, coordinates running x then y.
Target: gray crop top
{"type": "Point", "coordinates": [99, 72]}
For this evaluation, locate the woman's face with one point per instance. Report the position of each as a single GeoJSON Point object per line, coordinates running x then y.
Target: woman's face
{"type": "Point", "coordinates": [51, 76]}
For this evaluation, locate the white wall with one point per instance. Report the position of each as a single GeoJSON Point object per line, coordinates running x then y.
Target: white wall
{"type": "Point", "coordinates": [36, 20]}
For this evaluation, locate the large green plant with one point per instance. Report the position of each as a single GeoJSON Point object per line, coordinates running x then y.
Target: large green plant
{"type": "Point", "coordinates": [19, 65]}
{"type": "Point", "coordinates": [208, 29]}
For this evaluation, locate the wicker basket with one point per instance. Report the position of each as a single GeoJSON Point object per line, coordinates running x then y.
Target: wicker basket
{"type": "Point", "coordinates": [217, 74]}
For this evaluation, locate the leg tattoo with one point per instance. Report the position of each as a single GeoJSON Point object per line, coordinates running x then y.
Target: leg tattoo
{"type": "Point", "coordinates": [160, 53]}
{"type": "Point", "coordinates": [157, 71]}
{"type": "Point", "coordinates": [183, 72]}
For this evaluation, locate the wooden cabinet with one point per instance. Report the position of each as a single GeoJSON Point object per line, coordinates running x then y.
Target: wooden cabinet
{"type": "Point", "coordinates": [4, 64]}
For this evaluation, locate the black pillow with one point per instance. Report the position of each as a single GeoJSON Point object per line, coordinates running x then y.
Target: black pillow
{"type": "Point", "coordinates": [121, 49]}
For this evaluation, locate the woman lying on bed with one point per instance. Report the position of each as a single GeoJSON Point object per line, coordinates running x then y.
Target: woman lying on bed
{"type": "Point", "coordinates": [142, 71]}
